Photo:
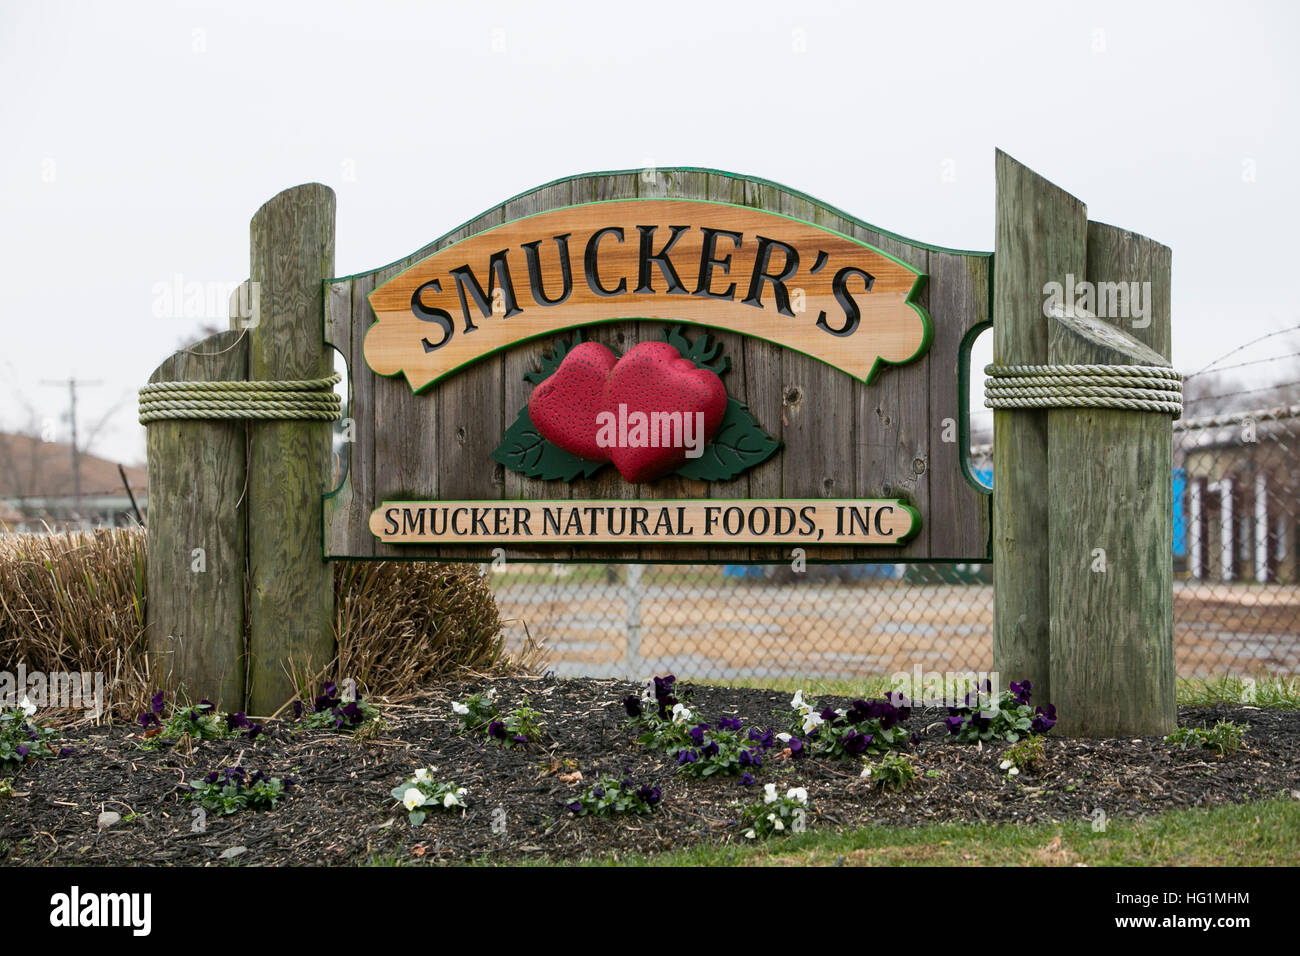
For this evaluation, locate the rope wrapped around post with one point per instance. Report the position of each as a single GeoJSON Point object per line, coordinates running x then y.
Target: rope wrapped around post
{"type": "Point", "coordinates": [308, 400]}
{"type": "Point", "coordinates": [1135, 388]}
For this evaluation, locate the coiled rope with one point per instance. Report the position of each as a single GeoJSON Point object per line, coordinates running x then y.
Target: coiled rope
{"type": "Point", "coordinates": [309, 400]}
{"type": "Point", "coordinates": [1136, 388]}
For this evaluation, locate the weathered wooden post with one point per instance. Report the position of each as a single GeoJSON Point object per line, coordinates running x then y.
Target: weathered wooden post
{"type": "Point", "coordinates": [1083, 560]}
{"type": "Point", "coordinates": [195, 544]}
{"type": "Point", "coordinates": [291, 593]}
{"type": "Point", "coordinates": [1111, 521]}
{"type": "Point", "coordinates": [1041, 236]}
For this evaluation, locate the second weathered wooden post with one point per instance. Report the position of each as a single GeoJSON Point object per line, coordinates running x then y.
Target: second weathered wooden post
{"type": "Point", "coordinates": [291, 593]}
{"type": "Point", "coordinates": [195, 533]}
{"type": "Point", "coordinates": [1111, 521]}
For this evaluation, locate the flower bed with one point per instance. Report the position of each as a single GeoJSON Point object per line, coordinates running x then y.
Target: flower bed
{"type": "Point", "coordinates": [517, 796]}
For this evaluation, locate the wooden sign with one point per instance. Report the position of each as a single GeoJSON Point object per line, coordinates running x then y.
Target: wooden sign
{"type": "Point", "coordinates": [790, 522]}
{"type": "Point", "coordinates": [752, 272]}
{"type": "Point", "coordinates": [620, 368]}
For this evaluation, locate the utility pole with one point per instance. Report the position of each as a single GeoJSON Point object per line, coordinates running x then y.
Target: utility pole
{"type": "Point", "coordinates": [73, 384]}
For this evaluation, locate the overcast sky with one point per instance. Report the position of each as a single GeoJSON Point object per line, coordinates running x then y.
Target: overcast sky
{"type": "Point", "coordinates": [139, 144]}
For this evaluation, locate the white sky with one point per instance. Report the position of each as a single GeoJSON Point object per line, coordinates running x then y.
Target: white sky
{"type": "Point", "coordinates": [139, 144]}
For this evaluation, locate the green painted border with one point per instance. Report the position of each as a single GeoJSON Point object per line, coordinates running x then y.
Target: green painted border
{"type": "Point", "coordinates": [662, 502]}
{"type": "Point", "coordinates": [927, 326]}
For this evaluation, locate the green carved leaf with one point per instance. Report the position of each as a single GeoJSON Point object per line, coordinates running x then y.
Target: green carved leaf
{"type": "Point", "coordinates": [524, 450]}
{"type": "Point", "coordinates": [701, 352]}
{"type": "Point", "coordinates": [740, 444]}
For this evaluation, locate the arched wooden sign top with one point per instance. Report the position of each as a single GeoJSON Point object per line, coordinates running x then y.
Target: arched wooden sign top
{"type": "Point", "coordinates": [830, 354]}
{"type": "Point", "coordinates": [798, 285]}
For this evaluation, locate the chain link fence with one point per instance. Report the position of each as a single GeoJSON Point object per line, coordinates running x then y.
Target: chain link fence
{"type": "Point", "coordinates": [1236, 594]}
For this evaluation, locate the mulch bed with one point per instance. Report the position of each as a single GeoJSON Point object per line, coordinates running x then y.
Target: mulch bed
{"type": "Point", "coordinates": [341, 812]}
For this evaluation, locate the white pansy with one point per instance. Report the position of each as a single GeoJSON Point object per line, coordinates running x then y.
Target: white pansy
{"type": "Point", "coordinates": [413, 798]}
{"type": "Point", "coordinates": [866, 771]}
{"type": "Point", "coordinates": [681, 713]}
{"type": "Point", "coordinates": [421, 776]}
{"type": "Point", "coordinates": [784, 738]}
{"type": "Point", "coordinates": [1013, 771]}
{"type": "Point", "coordinates": [798, 794]}
{"type": "Point", "coordinates": [775, 821]}
{"type": "Point", "coordinates": [797, 700]}
{"type": "Point", "coordinates": [454, 799]}
{"type": "Point", "coordinates": [461, 709]}
{"type": "Point", "coordinates": [811, 722]}
{"type": "Point", "coordinates": [26, 706]}
{"type": "Point", "coordinates": [1005, 765]}
{"type": "Point", "coordinates": [750, 834]}
{"type": "Point", "coordinates": [769, 793]}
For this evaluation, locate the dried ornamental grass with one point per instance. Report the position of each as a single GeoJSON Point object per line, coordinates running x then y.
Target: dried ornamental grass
{"type": "Point", "coordinates": [76, 602]}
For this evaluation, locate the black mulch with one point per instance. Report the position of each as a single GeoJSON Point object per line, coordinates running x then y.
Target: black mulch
{"type": "Point", "coordinates": [341, 812]}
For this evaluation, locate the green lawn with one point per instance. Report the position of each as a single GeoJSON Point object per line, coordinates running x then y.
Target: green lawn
{"type": "Point", "coordinates": [1266, 833]}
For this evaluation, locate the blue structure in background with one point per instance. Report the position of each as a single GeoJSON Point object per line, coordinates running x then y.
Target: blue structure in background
{"type": "Point", "coordinates": [1180, 517]}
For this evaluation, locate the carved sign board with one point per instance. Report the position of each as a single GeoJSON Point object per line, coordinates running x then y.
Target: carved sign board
{"type": "Point", "coordinates": [703, 368]}
{"type": "Point", "coordinates": [728, 267]}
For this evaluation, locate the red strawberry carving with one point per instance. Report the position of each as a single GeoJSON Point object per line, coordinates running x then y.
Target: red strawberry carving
{"type": "Point", "coordinates": [563, 408]}
{"type": "Point", "coordinates": [653, 377]}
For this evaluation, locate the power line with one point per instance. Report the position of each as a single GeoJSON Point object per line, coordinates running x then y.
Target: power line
{"type": "Point", "coordinates": [72, 384]}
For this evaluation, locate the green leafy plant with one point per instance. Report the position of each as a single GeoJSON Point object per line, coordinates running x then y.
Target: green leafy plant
{"type": "Point", "coordinates": [21, 740]}
{"type": "Point", "coordinates": [1223, 738]}
{"type": "Point", "coordinates": [613, 795]}
{"type": "Point", "coordinates": [873, 726]}
{"type": "Point", "coordinates": [892, 772]}
{"type": "Point", "coordinates": [478, 710]}
{"type": "Point", "coordinates": [700, 749]}
{"type": "Point", "coordinates": [1026, 754]}
{"type": "Point", "coordinates": [235, 789]}
{"type": "Point", "coordinates": [775, 813]}
{"type": "Point", "coordinates": [1010, 718]}
{"type": "Point", "coordinates": [340, 710]}
{"type": "Point", "coordinates": [523, 725]}
{"type": "Point", "coordinates": [199, 721]}
{"type": "Point", "coordinates": [422, 793]}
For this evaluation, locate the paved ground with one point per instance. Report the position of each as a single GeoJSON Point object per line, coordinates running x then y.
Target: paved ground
{"type": "Point", "coordinates": [699, 624]}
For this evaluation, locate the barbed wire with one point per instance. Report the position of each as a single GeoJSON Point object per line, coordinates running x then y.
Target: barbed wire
{"type": "Point", "coordinates": [1240, 347]}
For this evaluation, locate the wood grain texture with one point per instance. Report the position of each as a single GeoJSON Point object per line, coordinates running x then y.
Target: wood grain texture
{"type": "Point", "coordinates": [1112, 644]}
{"type": "Point", "coordinates": [832, 447]}
{"type": "Point", "coordinates": [291, 586]}
{"type": "Point", "coordinates": [195, 611]}
{"type": "Point", "coordinates": [1041, 236]}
